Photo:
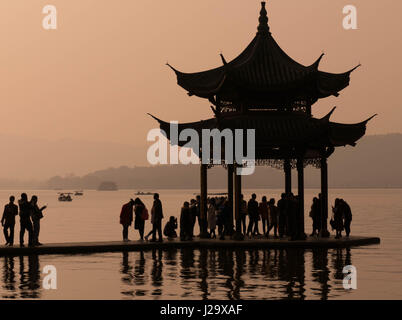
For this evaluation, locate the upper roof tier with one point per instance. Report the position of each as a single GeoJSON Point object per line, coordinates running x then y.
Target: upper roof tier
{"type": "Point", "coordinates": [263, 75]}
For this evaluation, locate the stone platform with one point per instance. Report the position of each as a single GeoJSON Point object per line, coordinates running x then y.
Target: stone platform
{"type": "Point", "coordinates": [197, 243]}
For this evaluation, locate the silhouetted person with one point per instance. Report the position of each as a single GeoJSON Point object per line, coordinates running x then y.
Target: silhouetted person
{"type": "Point", "coordinates": [347, 215]}
{"type": "Point", "coordinates": [315, 214]}
{"type": "Point", "coordinates": [292, 213]}
{"type": "Point", "coordinates": [126, 217]}
{"type": "Point", "coordinates": [186, 222]}
{"type": "Point", "coordinates": [25, 220]}
{"type": "Point", "coordinates": [282, 215]}
{"type": "Point", "coordinates": [152, 222]}
{"type": "Point", "coordinates": [170, 228]}
{"type": "Point", "coordinates": [158, 216]}
{"type": "Point", "coordinates": [37, 215]}
{"type": "Point", "coordinates": [202, 222]}
{"type": "Point", "coordinates": [252, 209]}
{"type": "Point", "coordinates": [139, 222]}
{"type": "Point", "coordinates": [338, 218]}
{"type": "Point", "coordinates": [220, 219]}
{"type": "Point", "coordinates": [194, 212]}
{"type": "Point", "coordinates": [229, 230]}
{"type": "Point", "coordinates": [211, 213]}
{"type": "Point", "coordinates": [263, 212]}
{"type": "Point", "coordinates": [273, 218]}
{"type": "Point", "coordinates": [226, 217]}
{"type": "Point", "coordinates": [8, 221]}
{"type": "Point", "coordinates": [323, 214]}
{"type": "Point", "coordinates": [243, 213]}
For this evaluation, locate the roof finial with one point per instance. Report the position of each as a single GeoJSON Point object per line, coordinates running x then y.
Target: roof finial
{"type": "Point", "coordinates": [263, 27]}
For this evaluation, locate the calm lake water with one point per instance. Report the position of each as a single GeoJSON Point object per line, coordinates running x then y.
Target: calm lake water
{"type": "Point", "coordinates": [205, 274]}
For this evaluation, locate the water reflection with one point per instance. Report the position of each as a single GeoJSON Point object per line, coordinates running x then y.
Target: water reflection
{"type": "Point", "coordinates": [235, 274]}
{"type": "Point", "coordinates": [24, 284]}
{"type": "Point", "coordinates": [200, 274]}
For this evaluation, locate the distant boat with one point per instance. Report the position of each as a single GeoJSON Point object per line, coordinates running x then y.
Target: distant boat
{"type": "Point", "coordinates": [107, 186]}
{"type": "Point", "coordinates": [79, 193]}
{"type": "Point", "coordinates": [141, 193]}
{"type": "Point", "coordinates": [65, 196]}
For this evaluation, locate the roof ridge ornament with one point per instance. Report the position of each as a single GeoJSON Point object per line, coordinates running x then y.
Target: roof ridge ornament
{"type": "Point", "coordinates": [263, 28]}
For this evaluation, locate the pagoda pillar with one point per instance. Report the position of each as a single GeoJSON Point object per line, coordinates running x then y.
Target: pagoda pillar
{"type": "Point", "coordinates": [230, 169]}
{"type": "Point", "coordinates": [288, 176]}
{"type": "Point", "coordinates": [203, 200]}
{"type": "Point", "coordinates": [300, 186]}
{"type": "Point", "coordinates": [237, 205]}
{"type": "Point", "coordinates": [324, 197]}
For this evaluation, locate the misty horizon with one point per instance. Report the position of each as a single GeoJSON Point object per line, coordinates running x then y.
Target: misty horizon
{"type": "Point", "coordinates": [72, 166]}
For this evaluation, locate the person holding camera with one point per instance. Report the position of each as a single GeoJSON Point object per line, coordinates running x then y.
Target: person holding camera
{"type": "Point", "coordinates": [36, 216]}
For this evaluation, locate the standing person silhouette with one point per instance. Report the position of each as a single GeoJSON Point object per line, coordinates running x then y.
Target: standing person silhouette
{"type": "Point", "coordinates": [273, 218]}
{"type": "Point", "coordinates": [126, 217]}
{"type": "Point", "coordinates": [186, 222]}
{"type": "Point", "coordinates": [337, 209]}
{"type": "Point", "coordinates": [315, 214]}
{"type": "Point", "coordinates": [282, 224]}
{"type": "Point", "coordinates": [8, 221]}
{"type": "Point", "coordinates": [25, 220]}
{"type": "Point", "coordinates": [252, 209]}
{"type": "Point", "coordinates": [36, 214]}
{"type": "Point", "coordinates": [139, 222]}
{"type": "Point", "coordinates": [158, 216]}
{"type": "Point", "coordinates": [211, 217]}
{"type": "Point", "coordinates": [263, 212]}
{"type": "Point", "coordinates": [243, 213]}
{"type": "Point", "coordinates": [347, 216]}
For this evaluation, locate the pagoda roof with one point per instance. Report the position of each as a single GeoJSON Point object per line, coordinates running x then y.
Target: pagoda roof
{"type": "Point", "coordinates": [278, 133]}
{"type": "Point", "coordinates": [263, 74]}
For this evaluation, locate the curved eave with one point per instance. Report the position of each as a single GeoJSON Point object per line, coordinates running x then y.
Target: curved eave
{"type": "Point", "coordinates": [332, 83]}
{"type": "Point", "coordinates": [197, 126]}
{"type": "Point", "coordinates": [341, 134]}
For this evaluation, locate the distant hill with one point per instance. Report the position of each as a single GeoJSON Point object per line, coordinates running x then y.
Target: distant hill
{"type": "Point", "coordinates": [373, 163]}
{"type": "Point", "coordinates": [26, 158]}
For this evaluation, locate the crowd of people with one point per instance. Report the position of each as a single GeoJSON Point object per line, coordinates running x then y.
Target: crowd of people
{"type": "Point", "coordinates": [30, 216]}
{"type": "Point", "coordinates": [282, 218]}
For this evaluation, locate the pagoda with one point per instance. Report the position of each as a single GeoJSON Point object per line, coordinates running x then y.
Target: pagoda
{"type": "Point", "coordinates": [266, 90]}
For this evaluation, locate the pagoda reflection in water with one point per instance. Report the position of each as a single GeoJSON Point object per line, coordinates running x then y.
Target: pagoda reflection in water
{"type": "Point", "coordinates": [235, 274]}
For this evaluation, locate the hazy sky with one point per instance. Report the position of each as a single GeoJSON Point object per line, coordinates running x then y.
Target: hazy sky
{"type": "Point", "coordinates": [103, 69]}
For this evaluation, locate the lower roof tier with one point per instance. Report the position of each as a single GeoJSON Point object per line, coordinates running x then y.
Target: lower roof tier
{"type": "Point", "coordinates": [280, 135]}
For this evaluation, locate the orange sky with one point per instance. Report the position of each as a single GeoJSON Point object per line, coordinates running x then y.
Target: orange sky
{"type": "Point", "coordinates": [97, 75]}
